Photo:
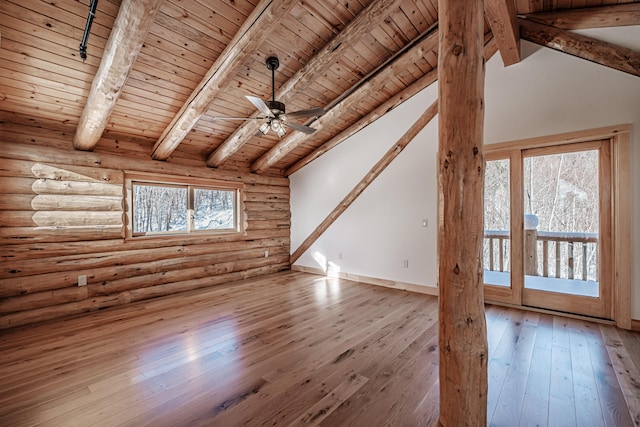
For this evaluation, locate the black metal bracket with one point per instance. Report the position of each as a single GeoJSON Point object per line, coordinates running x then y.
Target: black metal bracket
{"type": "Point", "coordinates": [87, 29]}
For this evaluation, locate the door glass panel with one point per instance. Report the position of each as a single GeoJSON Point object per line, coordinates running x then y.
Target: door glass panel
{"type": "Point", "coordinates": [561, 223]}
{"type": "Point", "coordinates": [497, 243]}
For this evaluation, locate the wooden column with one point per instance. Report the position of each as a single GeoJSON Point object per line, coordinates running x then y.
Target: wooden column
{"type": "Point", "coordinates": [462, 327]}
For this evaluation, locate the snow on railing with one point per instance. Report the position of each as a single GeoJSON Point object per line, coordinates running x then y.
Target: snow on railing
{"type": "Point", "coordinates": [547, 253]}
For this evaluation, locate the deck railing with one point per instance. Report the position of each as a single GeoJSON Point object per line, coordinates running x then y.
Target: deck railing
{"type": "Point", "coordinates": [567, 255]}
{"type": "Point", "coordinates": [496, 241]}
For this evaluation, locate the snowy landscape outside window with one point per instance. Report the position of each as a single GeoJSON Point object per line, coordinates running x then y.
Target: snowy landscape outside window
{"type": "Point", "coordinates": [214, 209]}
{"type": "Point", "coordinates": [162, 208]}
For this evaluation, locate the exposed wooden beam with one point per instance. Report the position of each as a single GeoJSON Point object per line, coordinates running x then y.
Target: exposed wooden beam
{"type": "Point", "coordinates": [390, 104]}
{"type": "Point", "coordinates": [125, 41]}
{"type": "Point", "coordinates": [373, 173]}
{"type": "Point", "coordinates": [603, 53]}
{"type": "Point", "coordinates": [323, 60]}
{"type": "Point", "coordinates": [289, 143]}
{"type": "Point", "coordinates": [256, 28]}
{"type": "Point", "coordinates": [501, 15]}
{"type": "Point", "coordinates": [593, 17]}
{"type": "Point", "coordinates": [381, 110]}
{"type": "Point", "coordinates": [462, 338]}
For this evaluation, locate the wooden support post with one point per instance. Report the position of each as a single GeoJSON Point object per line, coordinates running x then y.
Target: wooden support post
{"type": "Point", "coordinates": [462, 327]}
{"type": "Point", "coordinates": [373, 173]}
{"type": "Point", "coordinates": [531, 252]}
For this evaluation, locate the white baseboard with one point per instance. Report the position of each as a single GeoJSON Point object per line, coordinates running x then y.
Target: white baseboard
{"type": "Point", "coordinates": [428, 290]}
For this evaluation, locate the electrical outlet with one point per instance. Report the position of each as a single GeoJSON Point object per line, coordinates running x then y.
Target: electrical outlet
{"type": "Point", "coordinates": [339, 255]}
{"type": "Point", "coordinates": [82, 280]}
{"type": "Point", "coordinates": [405, 263]}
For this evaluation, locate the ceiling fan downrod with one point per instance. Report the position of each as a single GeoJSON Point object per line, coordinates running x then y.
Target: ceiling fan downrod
{"type": "Point", "coordinates": [277, 107]}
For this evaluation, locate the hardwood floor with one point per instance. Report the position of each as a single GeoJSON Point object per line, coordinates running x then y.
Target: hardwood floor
{"type": "Point", "coordinates": [300, 349]}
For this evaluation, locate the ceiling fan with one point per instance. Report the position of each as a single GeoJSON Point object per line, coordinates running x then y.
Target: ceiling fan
{"type": "Point", "coordinates": [273, 112]}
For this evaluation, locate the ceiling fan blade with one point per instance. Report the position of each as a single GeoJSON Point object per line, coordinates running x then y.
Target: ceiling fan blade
{"type": "Point", "coordinates": [302, 128]}
{"type": "Point", "coordinates": [235, 118]}
{"type": "Point", "coordinates": [260, 105]}
{"type": "Point", "coordinates": [311, 112]}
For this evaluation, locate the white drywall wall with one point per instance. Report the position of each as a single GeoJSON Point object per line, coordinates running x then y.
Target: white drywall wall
{"type": "Point", "coordinates": [383, 227]}
{"type": "Point", "coordinates": [547, 93]}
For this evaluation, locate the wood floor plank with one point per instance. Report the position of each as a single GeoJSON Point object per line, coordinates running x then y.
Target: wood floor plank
{"type": "Point", "coordinates": [540, 370]}
{"type": "Point", "coordinates": [380, 346]}
{"type": "Point", "coordinates": [614, 411]}
{"type": "Point", "coordinates": [296, 349]}
{"type": "Point", "coordinates": [500, 361]}
{"type": "Point", "coordinates": [535, 412]}
{"type": "Point", "coordinates": [585, 391]}
{"type": "Point", "coordinates": [389, 382]}
{"type": "Point", "coordinates": [627, 373]}
{"type": "Point", "coordinates": [325, 407]}
{"type": "Point", "coordinates": [562, 411]}
{"type": "Point", "coordinates": [510, 401]}
{"type": "Point", "coordinates": [227, 397]}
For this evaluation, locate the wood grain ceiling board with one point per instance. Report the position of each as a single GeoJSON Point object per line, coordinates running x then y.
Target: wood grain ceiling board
{"type": "Point", "coordinates": [43, 81]}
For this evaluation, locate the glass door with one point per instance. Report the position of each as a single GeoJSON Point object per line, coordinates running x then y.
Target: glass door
{"type": "Point", "coordinates": [501, 266]}
{"type": "Point", "coordinates": [548, 228]}
{"type": "Point", "coordinates": [566, 206]}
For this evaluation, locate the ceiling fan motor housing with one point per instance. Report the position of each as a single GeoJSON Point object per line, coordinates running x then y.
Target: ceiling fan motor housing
{"type": "Point", "coordinates": [276, 107]}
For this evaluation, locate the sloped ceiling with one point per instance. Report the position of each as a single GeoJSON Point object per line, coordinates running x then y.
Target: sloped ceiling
{"type": "Point", "coordinates": [160, 74]}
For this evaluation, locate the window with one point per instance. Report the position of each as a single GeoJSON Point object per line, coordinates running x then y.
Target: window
{"type": "Point", "coordinates": [170, 207]}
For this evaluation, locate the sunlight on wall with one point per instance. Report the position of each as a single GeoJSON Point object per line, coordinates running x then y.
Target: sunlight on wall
{"type": "Point", "coordinates": [330, 268]}
{"type": "Point", "coordinates": [321, 260]}
{"type": "Point", "coordinates": [333, 269]}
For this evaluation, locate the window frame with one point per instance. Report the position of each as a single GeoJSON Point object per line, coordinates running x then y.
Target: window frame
{"type": "Point", "coordinates": [190, 184]}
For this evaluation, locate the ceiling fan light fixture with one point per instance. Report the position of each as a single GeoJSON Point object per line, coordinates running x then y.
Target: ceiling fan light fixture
{"type": "Point", "coordinates": [277, 127]}
{"type": "Point", "coordinates": [264, 128]}
{"type": "Point", "coordinates": [273, 112]}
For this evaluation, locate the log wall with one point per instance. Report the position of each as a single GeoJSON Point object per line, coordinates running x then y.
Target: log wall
{"type": "Point", "coordinates": [62, 215]}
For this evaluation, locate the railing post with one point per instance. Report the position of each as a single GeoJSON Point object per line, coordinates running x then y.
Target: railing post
{"type": "Point", "coordinates": [570, 260]}
{"type": "Point", "coordinates": [531, 245]}
{"type": "Point", "coordinates": [491, 253]}
{"type": "Point", "coordinates": [545, 258]}
{"type": "Point", "coordinates": [584, 261]}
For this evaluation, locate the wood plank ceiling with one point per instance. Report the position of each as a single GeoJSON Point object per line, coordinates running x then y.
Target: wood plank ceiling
{"type": "Point", "coordinates": [198, 59]}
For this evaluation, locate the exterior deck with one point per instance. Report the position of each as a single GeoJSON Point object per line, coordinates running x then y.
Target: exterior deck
{"type": "Point", "coordinates": [588, 288]}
